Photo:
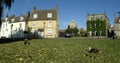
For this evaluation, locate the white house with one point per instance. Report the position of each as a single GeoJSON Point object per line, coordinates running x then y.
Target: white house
{"type": "Point", "coordinates": [18, 26]}
{"type": "Point", "coordinates": [5, 28]}
{"type": "Point", "coordinates": [13, 27]}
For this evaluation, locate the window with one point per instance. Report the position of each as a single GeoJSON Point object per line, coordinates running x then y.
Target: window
{"type": "Point", "coordinates": [6, 25]}
{"type": "Point", "coordinates": [95, 25]}
{"type": "Point", "coordinates": [35, 16]}
{"type": "Point", "coordinates": [3, 25]}
{"type": "Point", "coordinates": [100, 33]}
{"type": "Point", "coordinates": [100, 17]}
{"type": "Point", "coordinates": [21, 18]}
{"type": "Point", "coordinates": [6, 19]}
{"type": "Point", "coordinates": [49, 24]}
{"type": "Point", "coordinates": [12, 20]}
{"type": "Point", "coordinates": [49, 15]}
{"type": "Point", "coordinates": [90, 26]}
{"type": "Point", "coordinates": [100, 25]}
{"type": "Point", "coordinates": [95, 18]}
{"type": "Point", "coordinates": [33, 24]}
{"type": "Point", "coordinates": [91, 18]}
{"type": "Point", "coordinates": [119, 26]}
{"type": "Point", "coordinates": [119, 20]}
{"type": "Point", "coordinates": [20, 25]}
{"type": "Point", "coordinates": [49, 31]}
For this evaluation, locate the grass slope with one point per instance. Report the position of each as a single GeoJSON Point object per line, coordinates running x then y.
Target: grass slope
{"type": "Point", "coordinates": [60, 51]}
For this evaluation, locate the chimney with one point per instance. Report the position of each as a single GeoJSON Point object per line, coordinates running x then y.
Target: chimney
{"type": "Point", "coordinates": [34, 8]}
{"type": "Point", "coordinates": [119, 14]}
{"type": "Point", "coordinates": [57, 7]}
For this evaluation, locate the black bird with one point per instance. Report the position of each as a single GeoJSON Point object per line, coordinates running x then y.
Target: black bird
{"type": "Point", "coordinates": [93, 50]}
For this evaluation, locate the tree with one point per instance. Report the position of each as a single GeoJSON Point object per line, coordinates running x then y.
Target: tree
{"type": "Point", "coordinates": [73, 31]}
{"type": "Point", "coordinates": [4, 4]}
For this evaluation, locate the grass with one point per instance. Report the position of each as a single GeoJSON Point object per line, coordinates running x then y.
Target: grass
{"type": "Point", "coordinates": [60, 50]}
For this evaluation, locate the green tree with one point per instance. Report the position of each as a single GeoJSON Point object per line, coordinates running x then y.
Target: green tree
{"type": "Point", "coordinates": [4, 4]}
{"type": "Point", "coordinates": [73, 31]}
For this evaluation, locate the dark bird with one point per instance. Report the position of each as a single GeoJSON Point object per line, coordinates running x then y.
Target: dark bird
{"type": "Point", "coordinates": [26, 42]}
{"type": "Point", "coordinates": [93, 50]}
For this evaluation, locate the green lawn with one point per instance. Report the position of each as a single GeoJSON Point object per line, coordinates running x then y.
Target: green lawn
{"type": "Point", "coordinates": [60, 50]}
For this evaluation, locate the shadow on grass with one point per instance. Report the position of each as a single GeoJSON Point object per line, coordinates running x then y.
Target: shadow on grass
{"type": "Point", "coordinates": [10, 40]}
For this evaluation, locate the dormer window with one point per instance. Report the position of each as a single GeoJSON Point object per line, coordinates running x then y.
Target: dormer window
{"type": "Point", "coordinates": [12, 20]}
{"type": "Point", "coordinates": [35, 16]}
{"type": "Point", "coordinates": [21, 18]}
{"type": "Point", "coordinates": [49, 15]}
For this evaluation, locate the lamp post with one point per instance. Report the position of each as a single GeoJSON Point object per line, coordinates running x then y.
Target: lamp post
{"type": "Point", "coordinates": [44, 28]}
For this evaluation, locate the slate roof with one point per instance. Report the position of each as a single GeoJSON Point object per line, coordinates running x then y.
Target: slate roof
{"type": "Point", "coordinates": [42, 15]}
{"type": "Point", "coordinates": [17, 18]}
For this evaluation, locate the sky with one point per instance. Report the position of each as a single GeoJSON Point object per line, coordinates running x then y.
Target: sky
{"type": "Point", "coordinates": [68, 9]}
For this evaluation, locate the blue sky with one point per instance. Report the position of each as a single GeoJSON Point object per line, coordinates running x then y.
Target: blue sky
{"type": "Point", "coordinates": [68, 9]}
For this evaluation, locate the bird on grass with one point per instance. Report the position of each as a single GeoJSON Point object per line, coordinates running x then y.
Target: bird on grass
{"type": "Point", "coordinates": [93, 50]}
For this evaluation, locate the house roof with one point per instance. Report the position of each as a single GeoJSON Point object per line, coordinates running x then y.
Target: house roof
{"type": "Point", "coordinates": [42, 15]}
{"type": "Point", "coordinates": [17, 18]}
{"type": "Point", "coordinates": [99, 14]}
{"type": "Point", "coordinates": [73, 21]}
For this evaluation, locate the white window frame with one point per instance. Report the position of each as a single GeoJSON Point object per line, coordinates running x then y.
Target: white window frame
{"type": "Point", "coordinates": [49, 15]}
{"type": "Point", "coordinates": [6, 19]}
{"type": "Point", "coordinates": [21, 18]}
{"type": "Point", "coordinates": [50, 24]}
{"type": "Point", "coordinates": [12, 20]}
{"type": "Point", "coordinates": [49, 31]}
{"type": "Point", "coordinates": [35, 16]}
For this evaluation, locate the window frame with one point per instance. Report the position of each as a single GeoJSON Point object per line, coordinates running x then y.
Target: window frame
{"type": "Point", "coordinates": [35, 16]}
{"type": "Point", "coordinates": [49, 15]}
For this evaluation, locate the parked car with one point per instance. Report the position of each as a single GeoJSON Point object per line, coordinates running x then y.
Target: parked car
{"type": "Point", "coordinates": [67, 35]}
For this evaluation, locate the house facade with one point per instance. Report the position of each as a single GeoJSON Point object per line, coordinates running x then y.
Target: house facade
{"type": "Point", "coordinates": [72, 24]}
{"type": "Point", "coordinates": [13, 27]}
{"type": "Point", "coordinates": [39, 23]}
{"type": "Point", "coordinates": [97, 24]}
{"type": "Point", "coordinates": [117, 26]}
{"type": "Point", "coordinates": [5, 27]}
{"type": "Point", "coordinates": [44, 23]}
